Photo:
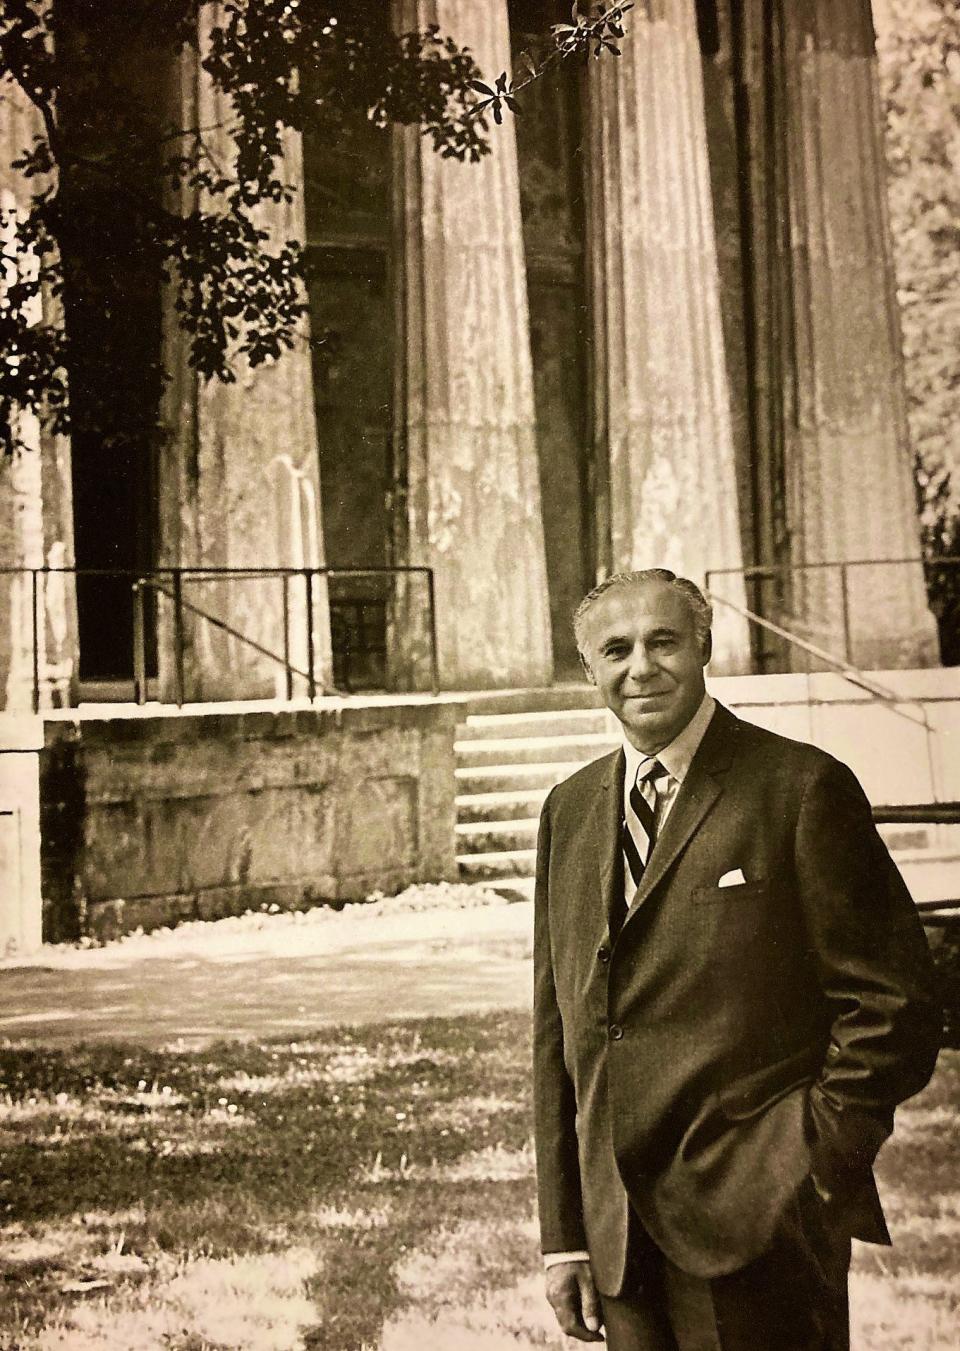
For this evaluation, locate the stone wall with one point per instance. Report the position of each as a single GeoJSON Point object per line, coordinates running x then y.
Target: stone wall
{"type": "Point", "coordinates": [152, 818]}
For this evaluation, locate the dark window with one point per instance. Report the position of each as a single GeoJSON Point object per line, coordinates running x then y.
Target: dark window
{"type": "Point", "coordinates": [550, 153]}
{"type": "Point", "coordinates": [109, 178]}
{"type": "Point", "coordinates": [348, 203]}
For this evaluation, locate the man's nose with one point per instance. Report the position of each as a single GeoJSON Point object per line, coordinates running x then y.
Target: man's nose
{"type": "Point", "coordinates": [640, 663]}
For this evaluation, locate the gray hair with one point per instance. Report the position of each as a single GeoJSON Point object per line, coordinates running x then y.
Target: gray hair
{"type": "Point", "coordinates": [700, 607]}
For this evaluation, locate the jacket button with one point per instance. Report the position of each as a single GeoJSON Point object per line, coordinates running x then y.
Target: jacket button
{"type": "Point", "coordinates": [616, 1032]}
{"type": "Point", "coordinates": [603, 953]}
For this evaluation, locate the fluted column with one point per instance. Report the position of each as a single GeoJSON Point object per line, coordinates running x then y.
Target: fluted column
{"type": "Point", "coordinates": [833, 334]}
{"type": "Point", "coordinates": [468, 501]}
{"type": "Point", "coordinates": [36, 514]}
{"type": "Point", "coordinates": [239, 471]}
{"type": "Point", "coordinates": [662, 405]}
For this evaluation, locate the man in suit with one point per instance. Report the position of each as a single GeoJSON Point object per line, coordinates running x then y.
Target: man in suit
{"type": "Point", "coordinates": [732, 993]}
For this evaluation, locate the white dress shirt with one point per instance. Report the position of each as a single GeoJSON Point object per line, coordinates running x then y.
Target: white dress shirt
{"type": "Point", "coordinates": [676, 760]}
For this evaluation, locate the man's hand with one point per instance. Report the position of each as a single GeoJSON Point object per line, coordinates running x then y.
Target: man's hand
{"type": "Point", "coordinates": [573, 1297]}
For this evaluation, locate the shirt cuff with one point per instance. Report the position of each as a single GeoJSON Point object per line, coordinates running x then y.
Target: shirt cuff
{"type": "Point", "coordinates": [553, 1259]}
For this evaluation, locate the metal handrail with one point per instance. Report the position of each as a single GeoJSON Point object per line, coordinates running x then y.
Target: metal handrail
{"type": "Point", "coordinates": [767, 571]}
{"type": "Point", "coordinates": [850, 673]}
{"type": "Point", "coordinates": [177, 576]}
{"type": "Point", "coordinates": [940, 914]}
{"type": "Point", "coordinates": [140, 678]}
{"type": "Point", "coordinates": [770, 569]}
{"type": "Point", "coordinates": [919, 813]}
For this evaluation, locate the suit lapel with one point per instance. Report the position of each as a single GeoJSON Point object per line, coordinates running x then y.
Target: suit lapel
{"type": "Point", "coordinates": [607, 816]}
{"type": "Point", "coordinates": [697, 794]}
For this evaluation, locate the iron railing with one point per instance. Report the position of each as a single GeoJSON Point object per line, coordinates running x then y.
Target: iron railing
{"type": "Point", "coordinates": [170, 583]}
{"type": "Point", "coordinates": [937, 914]}
{"type": "Point", "coordinates": [844, 668]}
{"type": "Point", "coordinates": [778, 572]}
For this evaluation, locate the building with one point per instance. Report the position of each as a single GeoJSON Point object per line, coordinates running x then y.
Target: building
{"type": "Point", "coordinates": [657, 325]}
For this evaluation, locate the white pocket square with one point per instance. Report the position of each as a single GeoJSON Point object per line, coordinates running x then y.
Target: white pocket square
{"type": "Point", "coordinates": [734, 878]}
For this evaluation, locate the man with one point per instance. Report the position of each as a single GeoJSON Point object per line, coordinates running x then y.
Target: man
{"type": "Point", "coordinates": [732, 992]}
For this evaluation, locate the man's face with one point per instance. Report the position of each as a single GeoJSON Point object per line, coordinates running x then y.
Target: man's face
{"type": "Point", "coordinates": [647, 661]}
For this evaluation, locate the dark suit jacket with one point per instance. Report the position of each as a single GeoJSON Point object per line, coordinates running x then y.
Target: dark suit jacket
{"type": "Point", "coordinates": [727, 1039]}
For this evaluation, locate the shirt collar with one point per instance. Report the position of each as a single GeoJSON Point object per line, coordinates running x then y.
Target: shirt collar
{"type": "Point", "coordinates": [678, 756]}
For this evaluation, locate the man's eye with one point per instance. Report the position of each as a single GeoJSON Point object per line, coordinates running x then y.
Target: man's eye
{"type": "Point", "coordinates": [615, 653]}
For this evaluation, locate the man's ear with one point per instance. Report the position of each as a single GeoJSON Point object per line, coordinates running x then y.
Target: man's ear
{"type": "Point", "coordinates": [707, 647]}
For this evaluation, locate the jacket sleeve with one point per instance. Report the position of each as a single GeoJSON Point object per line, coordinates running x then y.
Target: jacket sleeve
{"type": "Point", "coordinates": [555, 1110]}
{"type": "Point", "coordinates": [874, 969]}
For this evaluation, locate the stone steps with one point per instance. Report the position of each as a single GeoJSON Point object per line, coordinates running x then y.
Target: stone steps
{"type": "Point", "coordinates": [475, 837]}
{"type": "Point", "coordinates": [535, 750]}
{"type": "Point", "coordinates": [544, 723]}
{"type": "Point", "coordinates": [474, 779]}
{"type": "Point", "coordinates": [509, 756]}
{"type": "Point", "coordinates": [510, 753]}
{"type": "Point", "coordinates": [492, 866]}
{"type": "Point", "coordinates": [551, 698]}
{"type": "Point", "coordinates": [510, 805]}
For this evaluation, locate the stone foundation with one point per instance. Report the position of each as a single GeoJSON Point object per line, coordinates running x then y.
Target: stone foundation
{"type": "Point", "coordinates": [152, 818]}
{"type": "Point", "coordinates": [21, 736]}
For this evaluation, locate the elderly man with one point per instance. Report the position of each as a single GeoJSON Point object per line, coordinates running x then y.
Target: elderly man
{"type": "Point", "coordinates": [732, 993]}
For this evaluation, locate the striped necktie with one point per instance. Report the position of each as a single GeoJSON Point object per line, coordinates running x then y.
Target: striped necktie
{"type": "Point", "coordinates": [640, 819]}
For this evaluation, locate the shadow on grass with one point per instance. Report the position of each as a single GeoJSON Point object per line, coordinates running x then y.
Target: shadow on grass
{"type": "Point", "coordinates": [339, 1143]}
{"type": "Point", "coordinates": [145, 1195]}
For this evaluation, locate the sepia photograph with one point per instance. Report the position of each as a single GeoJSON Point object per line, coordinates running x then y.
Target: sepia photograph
{"type": "Point", "coordinates": [479, 675]}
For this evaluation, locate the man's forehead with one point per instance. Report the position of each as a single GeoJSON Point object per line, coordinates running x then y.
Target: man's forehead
{"type": "Point", "coordinates": [650, 605]}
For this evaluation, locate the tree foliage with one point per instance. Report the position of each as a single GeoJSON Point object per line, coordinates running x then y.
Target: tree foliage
{"type": "Point", "coordinates": [919, 51]}
{"type": "Point", "coordinates": [123, 194]}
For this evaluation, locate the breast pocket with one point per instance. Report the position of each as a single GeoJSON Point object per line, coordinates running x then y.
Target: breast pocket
{"type": "Point", "coordinates": [739, 891]}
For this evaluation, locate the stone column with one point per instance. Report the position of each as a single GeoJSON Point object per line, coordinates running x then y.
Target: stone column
{"type": "Point", "coordinates": [239, 471]}
{"type": "Point", "coordinates": [36, 513]}
{"type": "Point", "coordinates": [468, 501]}
{"type": "Point", "coordinates": [662, 405]}
{"type": "Point", "coordinates": [830, 331]}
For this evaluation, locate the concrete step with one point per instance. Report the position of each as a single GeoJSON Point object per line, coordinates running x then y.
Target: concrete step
{"type": "Point", "coordinates": [512, 778]}
{"type": "Point", "coordinates": [479, 837]}
{"type": "Point", "coordinates": [506, 806]}
{"type": "Point", "coordinates": [552, 723]}
{"type": "Point", "coordinates": [494, 865]}
{"type": "Point", "coordinates": [536, 750]}
{"type": "Point", "coordinates": [936, 877]}
{"type": "Point", "coordinates": [552, 697]}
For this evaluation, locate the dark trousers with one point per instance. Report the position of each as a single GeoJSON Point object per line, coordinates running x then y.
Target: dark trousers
{"type": "Point", "coordinates": [791, 1298]}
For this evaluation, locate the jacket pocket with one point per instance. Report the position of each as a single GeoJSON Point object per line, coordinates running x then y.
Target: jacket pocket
{"type": "Point", "coordinates": [740, 891]}
{"type": "Point", "coordinates": [753, 1093]}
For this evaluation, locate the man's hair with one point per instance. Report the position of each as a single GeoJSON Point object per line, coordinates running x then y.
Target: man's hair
{"type": "Point", "coordinates": [700, 607]}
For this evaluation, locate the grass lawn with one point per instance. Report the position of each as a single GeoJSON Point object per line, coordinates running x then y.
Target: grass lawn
{"type": "Point", "coordinates": [360, 1188]}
